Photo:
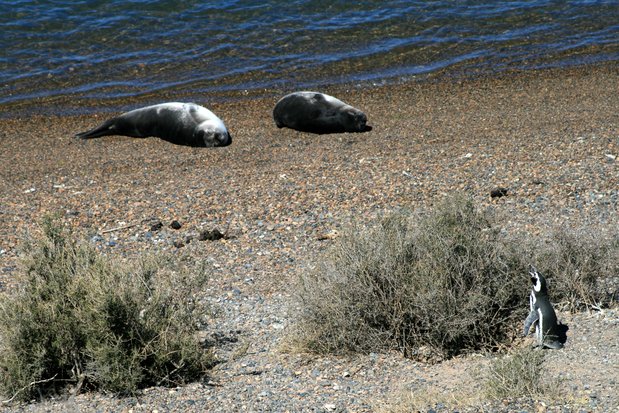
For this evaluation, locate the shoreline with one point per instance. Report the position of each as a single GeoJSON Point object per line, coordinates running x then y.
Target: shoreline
{"type": "Point", "coordinates": [80, 106]}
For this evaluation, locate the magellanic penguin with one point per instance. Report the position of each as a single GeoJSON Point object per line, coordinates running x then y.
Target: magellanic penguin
{"type": "Point", "coordinates": [542, 314]}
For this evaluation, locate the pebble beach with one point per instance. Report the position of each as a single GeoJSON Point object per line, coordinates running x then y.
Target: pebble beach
{"type": "Point", "coordinates": [551, 137]}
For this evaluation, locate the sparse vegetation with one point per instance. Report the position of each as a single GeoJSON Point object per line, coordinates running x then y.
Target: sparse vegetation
{"type": "Point", "coordinates": [517, 375]}
{"type": "Point", "coordinates": [520, 374]}
{"type": "Point", "coordinates": [431, 398]}
{"type": "Point", "coordinates": [438, 285]}
{"type": "Point", "coordinates": [81, 320]}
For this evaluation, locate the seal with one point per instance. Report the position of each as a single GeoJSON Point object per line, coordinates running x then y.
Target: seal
{"type": "Point", "coordinates": [179, 123]}
{"type": "Point", "coordinates": [318, 113]}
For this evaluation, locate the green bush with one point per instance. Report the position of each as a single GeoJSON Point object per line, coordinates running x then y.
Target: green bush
{"type": "Point", "coordinates": [448, 284]}
{"type": "Point", "coordinates": [82, 320]}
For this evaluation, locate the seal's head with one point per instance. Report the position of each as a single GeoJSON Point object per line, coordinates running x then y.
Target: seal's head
{"type": "Point", "coordinates": [356, 121]}
{"type": "Point", "coordinates": [210, 137]}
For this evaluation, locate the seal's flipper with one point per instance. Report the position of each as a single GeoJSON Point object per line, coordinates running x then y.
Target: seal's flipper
{"type": "Point", "coordinates": [530, 321]}
{"type": "Point", "coordinates": [107, 128]}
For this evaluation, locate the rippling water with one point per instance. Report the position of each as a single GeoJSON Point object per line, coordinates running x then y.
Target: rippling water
{"type": "Point", "coordinates": [65, 54]}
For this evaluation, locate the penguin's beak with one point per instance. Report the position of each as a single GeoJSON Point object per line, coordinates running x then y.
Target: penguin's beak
{"type": "Point", "coordinates": [533, 274]}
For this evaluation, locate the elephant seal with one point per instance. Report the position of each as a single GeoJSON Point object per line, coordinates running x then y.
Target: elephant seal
{"type": "Point", "coordinates": [180, 123]}
{"type": "Point", "coordinates": [318, 113]}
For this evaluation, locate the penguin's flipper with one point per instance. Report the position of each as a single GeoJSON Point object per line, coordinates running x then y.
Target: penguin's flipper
{"type": "Point", "coordinates": [105, 129]}
{"type": "Point", "coordinates": [530, 321]}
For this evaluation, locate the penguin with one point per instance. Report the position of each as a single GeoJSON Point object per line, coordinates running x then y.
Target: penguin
{"type": "Point", "coordinates": [547, 331]}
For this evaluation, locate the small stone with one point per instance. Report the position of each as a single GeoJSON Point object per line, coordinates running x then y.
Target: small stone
{"type": "Point", "coordinates": [328, 235]}
{"type": "Point", "coordinates": [330, 407]}
{"type": "Point", "coordinates": [156, 226]}
{"type": "Point", "coordinates": [498, 192]}
{"type": "Point", "coordinates": [178, 244]}
{"type": "Point", "coordinates": [96, 238]}
{"type": "Point", "coordinates": [213, 235]}
{"type": "Point", "coordinates": [175, 225]}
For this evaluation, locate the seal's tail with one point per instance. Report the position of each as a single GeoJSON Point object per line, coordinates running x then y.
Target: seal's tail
{"type": "Point", "coordinates": [107, 128]}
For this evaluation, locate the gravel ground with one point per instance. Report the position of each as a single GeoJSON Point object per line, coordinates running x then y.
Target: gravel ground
{"type": "Point", "coordinates": [550, 137]}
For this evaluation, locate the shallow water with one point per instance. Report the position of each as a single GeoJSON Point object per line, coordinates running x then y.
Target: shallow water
{"type": "Point", "coordinates": [70, 55]}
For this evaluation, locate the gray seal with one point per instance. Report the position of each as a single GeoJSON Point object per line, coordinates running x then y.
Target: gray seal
{"type": "Point", "coordinates": [318, 113]}
{"type": "Point", "coordinates": [548, 333]}
{"type": "Point", "coordinates": [180, 123]}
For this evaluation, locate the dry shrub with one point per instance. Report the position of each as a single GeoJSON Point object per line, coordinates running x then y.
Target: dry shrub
{"type": "Point", "coordinates": [438, 285]}
{"type": "Point", "coordinates": [581, 266]}
{"type": "Point", "coordinates": [82, 320]}
{"type": "Point", "coordinates": [448, 283]}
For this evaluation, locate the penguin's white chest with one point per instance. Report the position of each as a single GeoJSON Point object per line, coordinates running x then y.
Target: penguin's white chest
{"type": "Point", "coordinates": [539, 326]}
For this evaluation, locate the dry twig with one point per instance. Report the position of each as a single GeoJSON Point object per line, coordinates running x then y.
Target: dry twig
{"type": "Point", "coordinates": [25, 387]}
{"type": "Point", "coordinates": [118, 228]}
